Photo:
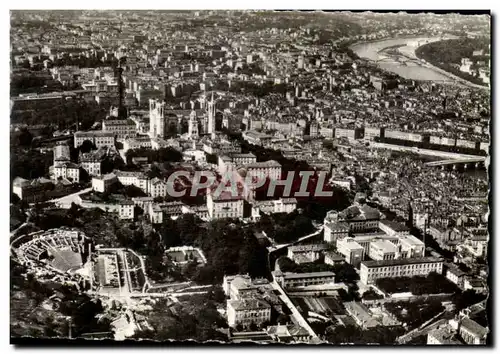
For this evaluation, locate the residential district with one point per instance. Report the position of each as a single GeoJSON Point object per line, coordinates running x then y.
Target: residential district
{"type": "Point", "coordinates": [115, 115]}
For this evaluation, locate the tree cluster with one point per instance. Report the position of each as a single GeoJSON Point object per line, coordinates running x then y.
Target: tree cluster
{"type": "Point", "coordinates": [285, 228]}
{"type": "Point", "coordinates": [433, 283]}
{"type": "Point", "coordinates": [199, 321]}
{"type": "Point", "coordinates": [414, 313]}
{"type": "Point", "coordinates": [351, 334]}
{"type": "Point", "coordinates": [229, 246]}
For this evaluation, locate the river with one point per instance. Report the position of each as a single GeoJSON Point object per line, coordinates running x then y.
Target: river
{"type": "Point", "coordinates": [408, 66]}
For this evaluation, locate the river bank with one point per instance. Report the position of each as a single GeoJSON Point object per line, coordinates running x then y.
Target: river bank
{"type": "Point", "coordinates": [413, 69]}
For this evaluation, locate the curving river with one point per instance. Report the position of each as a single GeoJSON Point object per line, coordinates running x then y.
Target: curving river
{"type": "Point", "coordinates": [397, 55]}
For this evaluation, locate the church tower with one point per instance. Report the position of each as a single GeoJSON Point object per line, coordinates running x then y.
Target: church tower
{"type": "Point", "coordinates": [193, 126]}
{"type": "Point", "coordinates": [211, 117]}
{"type": "Point", "coordinates": [156, 119]}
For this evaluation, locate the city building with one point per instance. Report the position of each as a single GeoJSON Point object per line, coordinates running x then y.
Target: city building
{"type": "Point", "coordinates": [443, 334]}
{"type": "Point", "coordinates": [61, 152]}
{"type": "Point", "coordinates": [359, 218]}
{"type": "Point", "coordinates": [98, 138]}
{"type": "Point", "coordinates": [333, 258]}
{"type": "Point", "coordinates": [472, 332]}
{"type": "Point", "coordinates": [294, 280]}
{"type": "Point", "coordinates": [126, 210]}
{"type": "Point", "coordinates": [137, 143]}
{"type": "Point", "coordinates": [224, 205]}
{"type": "Point", "coordinates": [361, 315]}
{"type": "Point", "coordinates": [246, 312]}
{"type": "Point", "coordinates": [393, 228]}
{"type": "Point", "coordinates": [155, 213]}
{"type": "Point", "coordinates": [408, 267]}
{"type": "Point", "coordinates": [102, 183]}
{"type": "Point", "coordinates": [410, 246]}
{"type": "Point", "coordinates": [91, 163]}
{"type": "Point", "coordinates": [351, 250]}
{"type": "Point", "coordinates": [31, 191]}
{"type": "Point", "coordinates": [120, 128]}
{"type": "Point", "coordinates": [227, 283]}
{"type": "Point", "coordinates": [157, 188]}
{"type": "Point", "coordinates": [306, 253]}
{"type": "Point", "coordinates": [67, 170]}
{"type": "Point", "coordinates": [334, 231]}
{"type": "Point", "coordinates": [382, 250]}
{"type": "Point", "coordinates": [456, 276]}
{"type": "Point", "coordinates": [267, 169]}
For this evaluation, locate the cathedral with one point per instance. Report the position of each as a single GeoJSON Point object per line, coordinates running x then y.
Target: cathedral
{"type": "Point", "coordinates": [207, 122]}
{"type": "Point", "coordinates": [160, 123]}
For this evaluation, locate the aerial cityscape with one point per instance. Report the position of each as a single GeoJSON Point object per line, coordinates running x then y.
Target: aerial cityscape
{"type": "Point", "coordinates": [289, 177]}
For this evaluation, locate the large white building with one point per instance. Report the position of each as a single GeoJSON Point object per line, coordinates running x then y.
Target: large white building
{"type": "Point", "coordinates": [306, 253]}
{"type": "Point", "coordinates": [91, 163]}
{"type": "Point", "coordinates": [133, 178]}
{"type": "Point", "coordinates": [335, 230]}
{"type": "Point", "coordinates": [137, 143]}
{"type": "Point", "coordinates": [282, 205]}
{"type": "Point", "coordinates": [102, 183]}
{"type": "Point", "coordinates": [268, 169]}
{"type": "Point", "coordinates": [351, 250]}
{"type": "Point", "coordinates": [407, 267]}
{"type": "Point", "coordinates": [359, 218]}
{"type": "Point", "coordinates": [382, 250]}
{"type": "Point", "coordinates": [246, 312]}
{"type": "Point", "coordinates": [411, 247]}
{"type": "Point", "coordinates": [157, 188]}
{"type": "Point", "coordinates": [67, 170]}
{"type": "Point", "coordinates": [126, 210]}
{"type": "Point", "coordinates": [294, 280]}
{"type": "Point", "coordinates": [98, 138]}
{"type": "Point", "coordinates": [121, 128]}
{"type": "Point", "coordinates": [224, 205]}
{"type": "Point", "coordinates": [392, 228]}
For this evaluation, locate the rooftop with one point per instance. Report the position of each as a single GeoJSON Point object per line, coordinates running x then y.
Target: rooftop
{"type": "Point", "coordinates": [411, 240]}
{"type": "Point", "coordinates": [288, 275]}
{"type": "Point", "coordinates": [404, 261]}
{"type": "Point", "coordinates": [396, 226]}
{"type": "Point", "coordinates": [474, 327]}
{"type": "Point", "coordinates": [384, 245]}
{"type": "Point", "coordinates": [359, 213]}
{"type": "Point", "coordinates": [444, 335]}
{"type": "Point", "coordinates": [270, 163]}
{"type": "Point", "coordinates": [248, 304]}
{"type": "Point", "coordinates": [308, 248]}
{"type": "Point", "coordinates": [94, 133]}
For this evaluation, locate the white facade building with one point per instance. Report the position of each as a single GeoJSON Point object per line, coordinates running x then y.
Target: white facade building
{"type": "Point", "coordinates": [126, 210]}
{"type": "Point", "coordinates": [409, 267]}
{"type": "Point", "coordinates": [67, 170]}
{"type": "Point", "coordinates": [98, 138]}
{"type": "Point", "coordinates": [351, 250]}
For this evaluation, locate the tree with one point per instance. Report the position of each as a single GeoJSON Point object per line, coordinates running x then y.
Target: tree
{"type": "Point", "coordinates": [467, 298]}
{"type": "Point", "coordinates": [25, 138]}
{"type": "Point", "coordinates": [371, 295]}
{"type": "Point", "coordinates": [87, 146]}
{"type": "Point", "coordinates": [132, 191]}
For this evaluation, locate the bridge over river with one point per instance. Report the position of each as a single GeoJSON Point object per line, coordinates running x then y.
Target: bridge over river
{"type": "Point", "coordinates": [466, 162]}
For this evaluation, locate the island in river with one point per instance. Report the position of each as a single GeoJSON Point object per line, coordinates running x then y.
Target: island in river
{"type": "Point", "coordinates": [397, 55]}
